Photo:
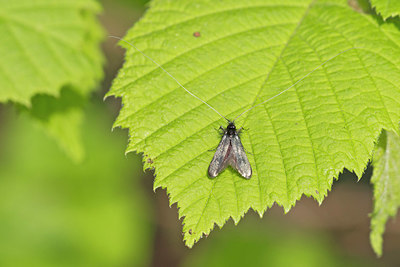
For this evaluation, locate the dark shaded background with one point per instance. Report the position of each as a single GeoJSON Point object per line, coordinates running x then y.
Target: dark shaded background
{"type": "Point", "coordinates": [104, 212]}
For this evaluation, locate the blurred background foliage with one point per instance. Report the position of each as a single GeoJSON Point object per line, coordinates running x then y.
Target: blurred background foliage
{"type": "Point", "coordinates": [56, 213]}
{"type": "Point", "coordinates": [103, 212]}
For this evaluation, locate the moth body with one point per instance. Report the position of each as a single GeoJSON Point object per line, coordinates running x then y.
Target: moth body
{"type": "Point", "coordinates": [230, 151]}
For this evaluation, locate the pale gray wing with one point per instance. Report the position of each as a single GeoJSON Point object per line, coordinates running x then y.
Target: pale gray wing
{"type": "Point", "coordinates": [239, 159]}
{"type": "Point", "coordinates": [221, 157]}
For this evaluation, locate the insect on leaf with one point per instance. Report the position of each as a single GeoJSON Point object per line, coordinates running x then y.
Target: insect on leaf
{"type": "Point", "coordinates": [230, 151]}
{"type": "Point", "coordinates": [249, 51]}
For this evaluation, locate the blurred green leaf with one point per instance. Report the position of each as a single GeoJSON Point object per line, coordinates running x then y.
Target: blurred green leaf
{"type": "Point", "coordinates": [387, 8]}
{"type": "Point", "coordinates": [55, 213]}
{"type": "Point", "coordinates": [247, 52]}
{"type": "Point", "coordinates": [386, 181]}
{"type": "Point", "coordinates": [47, 45]}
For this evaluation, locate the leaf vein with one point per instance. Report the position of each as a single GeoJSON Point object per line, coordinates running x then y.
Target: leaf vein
{"type": "Point", "coordinates": [267, 78]}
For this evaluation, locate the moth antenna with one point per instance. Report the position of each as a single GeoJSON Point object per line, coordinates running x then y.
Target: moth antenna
{"type": "Point", "coordinates": [170, 75]}
{"type": "Point", "coordinates": [305, 76]}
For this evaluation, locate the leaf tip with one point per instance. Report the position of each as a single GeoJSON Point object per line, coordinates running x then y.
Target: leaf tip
{"type": "Point", "coordinates": [376, 242]}
{"type": "Point", "coordinates": [106, 96]}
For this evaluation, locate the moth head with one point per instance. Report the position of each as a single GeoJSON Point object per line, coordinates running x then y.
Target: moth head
{"type": "Point", "coordinates": [231, 129]}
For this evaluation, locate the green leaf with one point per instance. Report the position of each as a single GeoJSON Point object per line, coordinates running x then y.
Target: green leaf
{"type": "Point", "coordinates": [387, 8]}
{"type": "Point", "coordinates": [386, 181]}
{"type": "Point", "coordinates": [246, 53]}
{"type": "Point", "coordinates": [46, 46]}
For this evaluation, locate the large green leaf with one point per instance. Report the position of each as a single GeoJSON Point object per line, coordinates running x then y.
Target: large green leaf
{"type": "Point", "coordinates": [245, 53]}
{"type": "Point", "coordinates": [386, 180]}
{"type": "Point", "coordinates": [387, 8]}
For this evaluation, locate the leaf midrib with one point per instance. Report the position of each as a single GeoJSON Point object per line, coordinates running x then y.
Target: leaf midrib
{"type": "Point", "coordinates": [259, 92]}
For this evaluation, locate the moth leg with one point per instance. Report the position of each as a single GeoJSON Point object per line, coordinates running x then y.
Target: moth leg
{"type": "Point", "coordinates": [242, 129]}
{"type": "Point", "coordinates": [213, 149]}
{"type": "Point", "coordinates": [247, 151]}
{"type": "Point", "coordinates": [221, 130]}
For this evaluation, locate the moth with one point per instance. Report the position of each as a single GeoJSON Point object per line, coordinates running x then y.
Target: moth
{"type": "Point", "coordinates": [230, 151]}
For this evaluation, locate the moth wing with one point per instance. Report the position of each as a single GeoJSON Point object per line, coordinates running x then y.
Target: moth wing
{"type": "Point", "coordinates": [221, 157]}
{"type": "Point", "coordinates": [239, 159]}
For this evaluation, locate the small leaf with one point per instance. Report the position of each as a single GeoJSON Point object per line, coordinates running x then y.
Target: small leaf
{"type": "Point", "coordinates": [387, 8]}
{"type": "Point", "coordinates": [386, 181]}
{"type": "Point", "coordinates": [245, 53]}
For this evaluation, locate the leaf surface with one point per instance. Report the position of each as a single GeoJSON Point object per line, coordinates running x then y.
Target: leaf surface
{"type": "Point", "coordinates": [235, 55]}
